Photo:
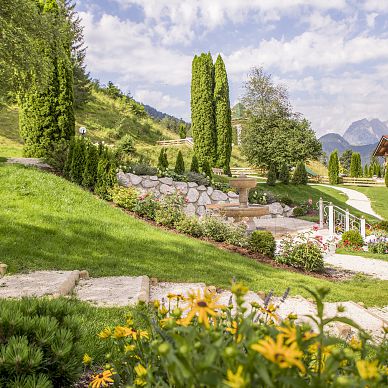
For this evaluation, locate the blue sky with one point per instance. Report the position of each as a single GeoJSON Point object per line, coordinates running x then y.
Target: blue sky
{"type": "Point", "coordinates": [332, 55]}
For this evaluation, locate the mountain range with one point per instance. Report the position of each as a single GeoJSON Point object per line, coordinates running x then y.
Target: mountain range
{"type": "Point", "coordinates": [362, 136]}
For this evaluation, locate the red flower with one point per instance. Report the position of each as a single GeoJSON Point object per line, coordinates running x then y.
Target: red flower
{"type": "Point", "coordinates": [315, 228]}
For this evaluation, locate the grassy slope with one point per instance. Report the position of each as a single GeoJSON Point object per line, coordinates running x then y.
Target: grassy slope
{"type": "Point", "coordinates": [49, 223]}
{"type": "Point", "coordinates": [301, 193]}
{"type": "Point", "coordinates": [378, 197]}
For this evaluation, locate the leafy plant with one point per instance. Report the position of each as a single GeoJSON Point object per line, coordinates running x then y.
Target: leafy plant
{"type": "Point", "coordinates": [271, 176]}
{"type": "Point", "coordinates": [199, 179]}
{"type": "Point", "coordinates": [190, 225]}
{"type": "Point", "coordinates": [194, 167]}
{"type": "Point", "coordinates": [284, 175]}
{"type": "Point", "coordinates": [125, 147]}
{"type": "Point", "coordinates": [125, 197]}
{"type": "Point", "coordinates": [143, 169]}
{"type": "Point", "coordinates": [56, 155]}
{"type": "Point", "coordinates": [106, 176]}
{"type": "Point", "coordinates": [89, 177]}
{"type": "Point", "coordinates": [298, 211]}
{"type": "Point", "coordinates": [146, 205]}
{"type": "Point", "coordinates": [352, 238]}
{"type": "Point", "coordinates": [206, 169]}
{"type": "Point", "coordinates": [215, 228]}
{"type": "Point", "coordinates": [300, 175]}
{"type": "Point", "coordinates": [179, 164]}
{"type": "Point", "coordinates": [262, 241]}
{"type": "Point", "coordinates": [170, 210]}
{"type": "Point", "coordinates": [162, 160]}
{"type": "Point", "coordinates": [380, 247]}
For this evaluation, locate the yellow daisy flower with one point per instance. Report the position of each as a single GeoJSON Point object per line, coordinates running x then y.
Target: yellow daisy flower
{"type": "Point", "coordinates": [141, 373]}
{"type": "Point", "coordinates": [288, 334]}
{"type": "Point", "coordinates": [280, 354]}
{"type": "Point", "coordinates": [137, 334]}
{"type": "Point", "coordinates": [355, 344]}
{"type": "Point", "coordinates": [86, 359]}
{"type": "Point", "coordinates": [106, 333]}
{"type": "Point", "coordinates": [129, 348]}
{"type": "Point", "coordinates": [233, 330]}
{"type": "Point", "coordinates": [235, 380]}
{"type": "Point", "coordinates": [102, 379]}
{"type": "Point", "coordinates": [368, 370]}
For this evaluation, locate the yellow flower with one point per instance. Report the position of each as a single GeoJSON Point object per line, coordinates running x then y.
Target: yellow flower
{"type": "Point", "coordinates": [163, 310]}
{"type": "Point", "coordinates": [308, 335]}
{"type": "Point", "coordinates": [288, 334]}
{"type": "Point", "coordinates": [121, 332]}
{"type": "Point", "coordinates": [313, 350]}
{"type": "Point", "coordinates": [86, 359]}
{"type": "Point", "coordinates": [239, 289]}
{"type": "Point", "coordinates": [233, 330]}
{"type": "Point", "coordinates": [135, 334]}
{"type": "Point", "coordinates": [203, 306]}
{"type": "Point", "coordinates": [166, 322]}
{"type": "Point", "coordinates": [171, 296]}
{"type": "Point", "coordinates": [102, 379]}
{"type": "Point", "coordinates": [129, 348]}
{"type": "Point", "coordinates": [355, 344]}
{"type": "Point", "coordinates": [235, 380]}
{"type": "Point", "coordinates": [367, 369]}
{"type": "Point", "coordinates": [141, 374]}
{"type": "Point", "coordinates": [279, 353]}
{"type": "Point", "coordinates": [156, 304]}
{"type": "Point", "coordinates": [106, 333]}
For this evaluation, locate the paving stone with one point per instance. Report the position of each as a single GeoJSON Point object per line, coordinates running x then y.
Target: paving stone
{"type": "Point", "coordinates": [38, 283]}
{"type": "Point", "coordinates": [114, 290]}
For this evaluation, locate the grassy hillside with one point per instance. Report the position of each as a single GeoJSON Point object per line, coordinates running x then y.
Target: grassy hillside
{"type": "Point", "coordinates": [49, 223]}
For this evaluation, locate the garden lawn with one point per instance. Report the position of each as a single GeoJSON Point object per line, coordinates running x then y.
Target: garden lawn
{"type": "Point", "coordinates": [302, 193]}
{"type": "Point", "coordinates": [378, 197]}
{"type": "Point", "coordinates": [368, 255]}
{"type": "Point", "coordinates": [49, 223]}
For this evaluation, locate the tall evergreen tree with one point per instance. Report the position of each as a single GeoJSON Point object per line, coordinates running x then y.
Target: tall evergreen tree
{"type": "Point", "coordinates": [46, 116]}
{"type": "Point", "coordinates": [90, 173]}
{"type": "Point", "coordinates": [366, 170]}
{"type": "Point", "coordinates": [78, 161]}
{"type": "Point", "coordinates": [284, 175]}
{"type": "Point", "coordinates": [194, 164]}
{"type": "Point", "coordinates": [271, 176]}
{"type": "Point", "coordinates": [179, 164]}
{"type": "Point", "coordinates": [202, 109]}
{"type": "Point", "coordinates": [163, 160]}
{"type": "Point", "coordinates": [334, 168]}
{"type": "Point", "coordinates": [300, 176]}
{"type": "Point", "coordinates": [355, 165]}
{"type": "Point", "coordinates": [223, 116]}
{"type": "Point", "coordinates": [69, 159]}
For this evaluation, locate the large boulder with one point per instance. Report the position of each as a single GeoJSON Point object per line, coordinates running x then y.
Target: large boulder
{"type": "Point", "coordinates": [123, 179]}
{"type": "Point", "coordinates": [166, 189]}
{"type": "Point", "coordinates": [135, 179]}
{"type": "Point", "coordinates": [218, 195]}
{"type": "Point", "coordinates": [190, 209]}
{"type": "Point", "coordinates": [148, 183]}
{"type": "Point", "coordinates": [166, 181]}
{"type": "Point", "coordinates": [181, 186]}
{"type": "Point", "coordinates": [192, 195]}
{"type": "Point", "coordinates": [275, 208]}
{"type": "Point", "coordinates": [204, 199]}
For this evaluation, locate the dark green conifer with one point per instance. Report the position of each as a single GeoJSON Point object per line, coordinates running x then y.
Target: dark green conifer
{"type": "Point", "coordinates": [271, 175]}
{"type": "Point", "coordinates": [90, 172]}
{"type": "Point", "coordinates": [300, 176]}
{"type": "Point", "coordinates": [70, 152]}
{"type": "Point", "coordinates": [106, 176]}
{"type": "Point", "coordinates": [284, 175]}
{"type": "Point", "coordinates": [78, 161]}
{"type": "Point", "coordinates": [194, 164]}
{"type": "Point", "coordinates": [334, 168]}
{"type": "Point", "coordinates": [206, 169]}
{"type": "Point", "coordinates": [355, 165]}
{"type": "Point", "coordinates": [386, 175]}
{"type": "Point", "coordinates": [180, 164]}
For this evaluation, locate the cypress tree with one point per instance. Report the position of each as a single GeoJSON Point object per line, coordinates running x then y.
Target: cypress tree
{"type": "Point", "coordinates": [355, 165]}
{"type": "Point", "coordinates": [179, 164]}
{"type": "Point", "coordinates": [366, 170]}
{"type": "Point", "coordinates": [334, 168]}
{"type": "Point", "coordinates": [300, 176]}
{"type": "Point", "coordinates": [182, 131]}
{"type": "Point", "coordinates": [78, 161]}
{"type": "Point", "coordinates": [284, 175]}
{"type": "Point", "coordinates": [106, 176]}
{"type": "Point", "coordinates": [90, 172]}
{"type": "Point", "coordinates": [223, 116]}
{"type": "Point", "coordinates": [194, 164]}
{"type": "Point", "coordinates": [371, 170]}
{"type": "Point", "coordinates": [271, 176]}
{"type": "Point", "coordinates": [202, 109]}
{"type": "Point", "coordinates": [69, 160]}
{"type": "Point", "coordinates": [206, 169]}
{"type": "Point", "coordinates": [47, 116]}
{"type": "Point", "coordinates": [163, 160]}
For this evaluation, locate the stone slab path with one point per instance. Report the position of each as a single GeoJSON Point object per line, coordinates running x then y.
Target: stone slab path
{"type": "Point", "coordinates": [38, 284]}
{"type": "Point", "coordinates": [30, 162]}
{"type": "Point", "coordinates": [372, 267]}
{"type": "Point", "coordinates": [114, 290]}
{"type": "Point", "coordinates": [357, 200]}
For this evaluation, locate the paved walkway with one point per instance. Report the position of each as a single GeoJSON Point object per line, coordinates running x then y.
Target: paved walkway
{"type": "Point", "coordinates": [283, 225]}
{"type": "Point", "coordinates": [373, 267]}
{"type": "Point", "coordinates": [30, 162]}
{"type": "Point", "coordinates": [357, 200]}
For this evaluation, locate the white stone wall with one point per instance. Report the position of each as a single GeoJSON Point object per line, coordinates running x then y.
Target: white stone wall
{"type": "Point", "coordinates": [197, 197]}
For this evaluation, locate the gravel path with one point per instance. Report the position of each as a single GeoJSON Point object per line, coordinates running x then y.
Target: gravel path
{"type": "Point", "coordinates": [373, 267]}
{"type": "Point", "coordinates": [29, 162]}
{"type": "Point", "coordinates": [357, 200]}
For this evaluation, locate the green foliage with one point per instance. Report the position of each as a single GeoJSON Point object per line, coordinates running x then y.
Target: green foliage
{"type": "Point", "coordinates": [355, 165]}
{"type": "Point", "coordinates": [352, 238]}
{"type": "Point", "coordinates": [124, 197]}
{"type": "Point", "coordinates": [143, 169]}
{"type": "Point", "coordinates": [386, 176]}
{"type": "Point", "coordinates": [190, 225]}
{"type": "Point", "coordinates": [366, 170]}
{"type": "Point", "coordinates": [222, 116]}
{"type": "Point", "coordinates": [271, 176]}
{"type": "Point", "coordinates": [78, 161]}
{"type": "Point", "coordinates": [262, 241]}
{"type": "Point", "coordinates": [381, 225]}
{"type": "Point", "coordinates": [298, 211]}
{"type": "Point", "coordinates": [300, 176]}
{"type": "Point", "coordinates": [125, 147]}
{"type": "Point", "coordinates": [39, 343]}
{"type": "Point", "coordinates": [380, 247]}
{"type": "Point", "coordinates": [163, 160]}
{"type": "Point", "coordinates": [69, 158]}
{"type": "Point", "coordinates": [182, 131]}
{"type": "Point", "coordinates": [89, 176]}
{"type": "Point", "coordinates": [147, 205]}
{"type": "Point", "coordinates": [206, 169]}
{"type": "Point", "coordinates": [106, 176]}
{"type": "Point", "coordinates": [345, 159]}
{"type": "Point", "coordinates": [284, 175]}
{"type": "Point", "coordinates": [170, 210]}
{"type": "Point", "coordinates": [199, 179]}
{"type": "Point", "coordinates": [215, 228]}
{"type": "Point", "coordinates": [179, 164]}
{"type": "Point", "coordinates": [305, 255]}
{"type": "Point", "coordinates": [334, 168]}
{"type": "Point", "coordinates": [194, 167]}
{"type": "Point", "coordinates": [56, 156]}
{"type": "Point", "coordinates": [202, 109]}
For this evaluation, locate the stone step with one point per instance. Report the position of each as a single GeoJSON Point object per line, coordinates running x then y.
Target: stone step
{"type": "Point", "coordinates": [114, 290]}
{"type": "Point", "coordinates": [38, 284]}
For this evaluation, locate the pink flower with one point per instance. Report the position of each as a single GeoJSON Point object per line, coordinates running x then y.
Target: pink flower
{"type": "Point", "coordinates": [315, 228]}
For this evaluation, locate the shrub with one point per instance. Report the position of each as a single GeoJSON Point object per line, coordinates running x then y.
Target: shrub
{"type": "Point", "coordinates": [194, 165]}
{"type": "Point", "coordinates": [143, 169]}
{"type": "Point", "coordinates": [146, 205]}
{"type": "Point", "coordinates": [237, 235]}
{"type": "Point", "coordinates": [284, 175]}
{"type": "Point", "coordinates": [78, 161]}
{"type": "Point", "coordinates": [381, 225]}
{"type": "Point", "coordinates": [386, 176]}
{"type": "Point", "coordinates": [286, 200]}
{"type": "Point", "coordinates": [190, 225]}
{"type": "Point", "coordinates": [271, 176]}
{"type": "Point", "coordinates": [56, 155]}
{"type": "Point", "coordinates": [220, 182]}
{"type": "Point", "coordinates": [170, 210]}
{"type": "Point", "coordinates": [124, 197]}
{"type": "Point", "coordinates": [199, 179]}
{"type": "Point", "coordinates": [298, 212]}
{"type": "Point", "coordinates": [182, 131]}
{"type": "Point", "coordinates": [125, 147]}
{"type": "Point", "coordinates": [262, 241]}
{"type": "Point", "coordinates": [305, 255]}
{"type": "Point", "coordinates": [300, 175]}
{"type": "Point", "coordinates": [206, 169]}
{"type": "Point", "coordinates": [39, 343]}
{"type": "Point", "coordinates": [69, 158]}
{"type": "Point", "coordinates": [352, 239]}
{"type": "Point", "coordinates": [89, 177]}
{"type": "Point", "coordinates": [179, 164]}
{"type": "Point", "coordinates": [215, 228]}
{"type": "Point", "coordinates": [334, 168]}
{"type": "Point", "coordinates": [162, 161]}
{"type": "Point", "coordinates": [106, 177]}
{"type": "Point", "coordinates": [380, 247]}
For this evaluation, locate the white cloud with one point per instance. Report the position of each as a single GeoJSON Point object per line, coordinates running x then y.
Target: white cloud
{"type": "Point", "coordinates": [158, 99]}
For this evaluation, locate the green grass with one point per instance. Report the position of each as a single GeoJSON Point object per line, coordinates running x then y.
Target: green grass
{"type": "Point", "coordinates": [367, 255]}
{"type": "Point", "coordinates": [49, 223]}
{"type": "Point", "coordinates": [378, 197]}
{"type": "Point", "coordinates": [10, 142]}
{"type": "Point", "coordinates": [301, 193]}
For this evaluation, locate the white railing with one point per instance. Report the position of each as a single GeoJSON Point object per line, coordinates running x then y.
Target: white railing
{"type": "Point", "coordinates": [339, 220]}
{"type": "Point", "coordinates": [167, 143]}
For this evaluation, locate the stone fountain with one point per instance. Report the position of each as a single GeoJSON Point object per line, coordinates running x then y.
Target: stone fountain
{"type": "Point", "coordinates": [243, 209]}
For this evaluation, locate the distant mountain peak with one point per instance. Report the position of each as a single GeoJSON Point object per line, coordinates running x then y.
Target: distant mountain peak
{"type": "Point", "coordinates": [363, 132]}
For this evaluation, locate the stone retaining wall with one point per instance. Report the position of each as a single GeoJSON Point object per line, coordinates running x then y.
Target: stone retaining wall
{"type": "Point", "coordinates": [198, 197]}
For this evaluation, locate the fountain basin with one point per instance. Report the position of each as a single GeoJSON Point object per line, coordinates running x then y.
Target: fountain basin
{"type": "Point", "coordinates": [242, 182]}
{"type": "Point", "coordinates": [237, 212]}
